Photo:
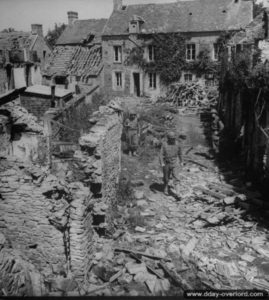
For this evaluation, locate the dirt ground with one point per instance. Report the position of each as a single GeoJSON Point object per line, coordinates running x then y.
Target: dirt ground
{"type": "Point", "coordinates": [208, 236]}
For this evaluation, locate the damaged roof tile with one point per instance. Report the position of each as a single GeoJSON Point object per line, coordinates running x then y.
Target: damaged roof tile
{"type": "Point", "coordinates": [76, 61]}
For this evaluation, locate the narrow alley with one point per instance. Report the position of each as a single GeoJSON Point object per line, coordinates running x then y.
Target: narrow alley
{"type": "Point", "coordinates": [134, 148]}
{"type": "Point", "coordinates": [204, 238]}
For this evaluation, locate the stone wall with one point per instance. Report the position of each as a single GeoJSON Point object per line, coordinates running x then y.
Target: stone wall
{"type": "Point", "coordinates": [3, 80]}
{"type": "Point", "coordinates": [35, 104]}
{"type": "Point", "coordinates": [51, 219]}
{"type": "Point", "coordinates": [99, 158]}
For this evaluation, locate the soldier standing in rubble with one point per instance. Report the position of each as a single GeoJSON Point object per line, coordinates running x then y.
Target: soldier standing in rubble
{"type": "Point", "coordinates": [170, 155]}
{"type": "Point", "coordinates": [132, 133]}
{"type": "Point", "coordinates": [217, 127]}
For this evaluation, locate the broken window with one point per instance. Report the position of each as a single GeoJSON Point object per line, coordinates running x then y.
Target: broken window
{"type": "Point", "coordinates": [152, 80]}
{"type": "Point", "coordinates": [216, 50]}
{"type": "Point", "coordinates": [151, 53]}
{"type": "Point", "coordinates": [117, 53]}
{"type": "Point", "coordinates": [118, 79]}
{"type": "Point", "coordinates": [190, 52]}
{"type": "Point", "coordinates": [188, 77]}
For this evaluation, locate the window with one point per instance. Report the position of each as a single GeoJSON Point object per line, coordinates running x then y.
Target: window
{"type": "Point", "coordinates": [44, 54]}
{"type": "Point", "coordinates": [117, 54]}
{"type": "Point", "coordinates": [151, 53]}
{"type": "Point", "coordinates": [187, 77]}
{"type": "Point", "coordinates": [216, 52]}
{"type": "Point", "coordinates": [152, 80]}
{"type": "Point", "coordinates": [190, 52]}
{"type": "Point", "coordinates": [118, 76]}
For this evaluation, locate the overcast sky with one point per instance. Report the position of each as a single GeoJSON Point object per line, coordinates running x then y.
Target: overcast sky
{"type": "Point", "coordinates": [20, 14]}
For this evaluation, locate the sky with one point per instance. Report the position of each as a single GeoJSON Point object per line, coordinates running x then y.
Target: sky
{"type": "Point", "coordinates": [20, 14]}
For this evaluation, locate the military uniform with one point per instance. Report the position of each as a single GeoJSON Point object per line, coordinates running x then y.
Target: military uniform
{"type": "Point", "coordinates": [169, 156]}
{"type": "Point", "coordinates": [216, 127]}
{"type": "Point", "coordinates": [132, 130]}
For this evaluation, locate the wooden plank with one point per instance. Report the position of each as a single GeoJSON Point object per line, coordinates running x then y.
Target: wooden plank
{"type": "Point", "coordinates": [209, 192]}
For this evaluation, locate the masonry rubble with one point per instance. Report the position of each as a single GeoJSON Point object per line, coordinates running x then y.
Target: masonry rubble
{"type": "Point", "coordinates": [56, 215]}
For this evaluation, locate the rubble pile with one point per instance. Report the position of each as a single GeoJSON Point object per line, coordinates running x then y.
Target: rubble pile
{"type": "Point", "coordinates": [20, 116]}
{"type": "Point", "coordinates": [17, 276]}
{"type": "Point", "coordinates": [191, 95]}
{"type": "Point", "coordinates": [208, 224]}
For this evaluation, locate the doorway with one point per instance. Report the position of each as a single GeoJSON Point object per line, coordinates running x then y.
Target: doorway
{"type": "Point", "coordinates": [136, 84]}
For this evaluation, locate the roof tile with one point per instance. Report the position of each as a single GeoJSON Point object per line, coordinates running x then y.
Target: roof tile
{"type": "Point", "coordinates": [183, 16]}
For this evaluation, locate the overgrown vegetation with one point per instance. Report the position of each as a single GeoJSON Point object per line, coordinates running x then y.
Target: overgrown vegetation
{"type": "Point", "coordinates": [53, 35]}
{"type": "Point", "coordinates": [170, 58]}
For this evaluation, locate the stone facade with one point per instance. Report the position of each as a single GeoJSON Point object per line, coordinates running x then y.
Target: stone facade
{"type": "Point", "coordinates": [129, 74]}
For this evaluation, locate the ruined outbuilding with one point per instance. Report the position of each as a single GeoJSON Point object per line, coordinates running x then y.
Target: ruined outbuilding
{"type": "Point", "coordinates": [23, 56]}
{"type": "Point", "coordinates": [77, 57]}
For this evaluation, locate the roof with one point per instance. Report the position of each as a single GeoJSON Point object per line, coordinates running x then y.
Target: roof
{"type": "Point", "coordinates": [81, 30]}
{"type": "Point", "coordinates": [252, 32]}
{"type": "Point", "coordinates": [76, 60]}
{"type": "Point", "coordinates": [46, 90]}
{"type": "Point", "coordinates": [183, 16]}
{"type": "Point", "coordinates": [17, 40]}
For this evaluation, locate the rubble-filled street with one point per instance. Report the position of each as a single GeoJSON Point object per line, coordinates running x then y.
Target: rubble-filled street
{"type": "Point", "coordinates": [205, 237]}
{"type": "Point", "coordinates": [134, 148]}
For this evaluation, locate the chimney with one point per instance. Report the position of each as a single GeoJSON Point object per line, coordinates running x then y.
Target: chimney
{"type": "Point", "coordinates": [117, 4]}
{"type": "Point", "coordinates": [37, 29]}
{"type": "Point", "coordinates": [72, 17]}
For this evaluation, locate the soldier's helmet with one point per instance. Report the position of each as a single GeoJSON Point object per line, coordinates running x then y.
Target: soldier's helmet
{"type": "Point", "coordinates": [171, 135]}
{"type": "Point", "coordinates": [214, 111]}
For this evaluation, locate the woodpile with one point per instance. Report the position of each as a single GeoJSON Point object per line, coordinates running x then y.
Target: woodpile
{"type": "Point", "coordinates": [190, 94]}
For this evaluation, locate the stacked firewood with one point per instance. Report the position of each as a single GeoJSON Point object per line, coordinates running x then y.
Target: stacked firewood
{"type": "Point", "coordinates": [191, 94]}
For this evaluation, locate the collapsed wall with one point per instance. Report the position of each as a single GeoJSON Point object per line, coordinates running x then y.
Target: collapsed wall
{"type": "Point", "coordinates": [51, 221]}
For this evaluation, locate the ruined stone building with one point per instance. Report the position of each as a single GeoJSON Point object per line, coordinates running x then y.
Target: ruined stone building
{"type": "Point", "coordinates": [201, 22]}
{"type": "Point", "coordinates": [77, 57]}
{"type": "Point", "coordinates": [23, 56]}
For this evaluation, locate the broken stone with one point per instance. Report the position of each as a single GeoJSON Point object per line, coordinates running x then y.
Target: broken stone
{"type": "Point", "coordinates": [134, 293]}
{"type": "Point", "coordinates": [151, 284]}
{"type": "Point", "coordinates": [138, 195]}
{"type": "Point", "coordinates": [141, 203]}
{"type": "Point", "coordinates": [125, 278]}
{"type": "Point", "coordinates": [134, 268]}
{"type": "Point", "coordinates": [142, 277]}
{"type": "Point", "coordinates": [241, 197]}
{"type": "Point", "coordinates": [190, 246]}
{"type": "Point", "coordinates": [140, 229]}
{"type": "Point", "coordinates": [229, 200]}
{"type": "Point", "coordinates": [247, 257]}
{"type": "Point", "coordinates": [165, 284]}
{"type": "Point", "coordinates": [173, 248]}
{"type": "Point", "coordinates": [98, 255]}
{"type": "Point", "coordinates": [159, 226]}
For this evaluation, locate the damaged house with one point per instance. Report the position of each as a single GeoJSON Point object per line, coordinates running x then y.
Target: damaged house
{"type": "Point", "coordinates": [244, 93]}
{"type": "Point", "coordinates": [201, 22]}
{"type": "Point", "coordinates": [77, 57]}
{"type": "Point", "coordinates": [23, 56]}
